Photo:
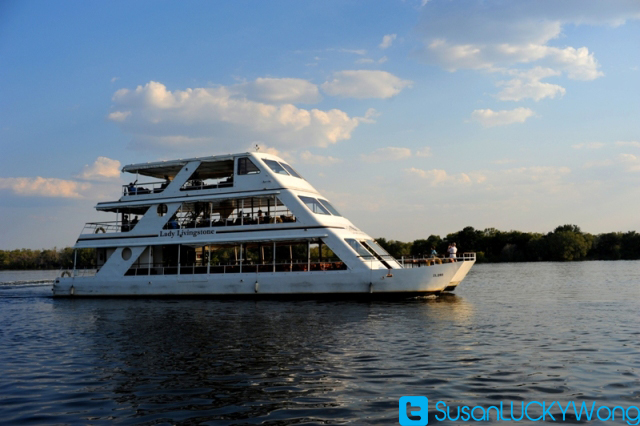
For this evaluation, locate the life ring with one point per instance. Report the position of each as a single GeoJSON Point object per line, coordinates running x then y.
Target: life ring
{"type": "Point", "coordinates": [437, 260]}
{"type": "Point", "coordinates": [100, 229]}
{"type": "Point", "coordinates": [65, 274]}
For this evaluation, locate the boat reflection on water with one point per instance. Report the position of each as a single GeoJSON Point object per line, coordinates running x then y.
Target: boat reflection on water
{"type": "Point", "coordinates": [229, 361]}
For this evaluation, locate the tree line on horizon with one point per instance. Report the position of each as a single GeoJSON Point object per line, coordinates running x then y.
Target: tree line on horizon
{"type": "Point", "coordinates": [565, 243]}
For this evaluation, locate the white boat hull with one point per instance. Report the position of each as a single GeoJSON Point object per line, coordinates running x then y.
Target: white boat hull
{"type": "Point", "coordinates": [432, 279]}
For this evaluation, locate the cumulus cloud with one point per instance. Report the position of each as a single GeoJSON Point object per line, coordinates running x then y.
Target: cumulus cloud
{"type": "Point", "coordinates": [490, 118]}
{"type": "Point", "coordinates": [119, 115]}
{"type": "Point", "coordinates": [219, 119]}
{"type": "Point", "coordinates": [494, 36]}
{"type": "Point", "coordinates": [44, 187]}
{"type": "Point", "coordinates": [390, 153]}
{"type": "Point", "coordinates": [322, 160]}
{"type": "Point", "coordinates": [279, 90]}
{"type": "Point", "coordinates": [579, 64]}
{"type": "Point", "coordinates": [528, 86]}
{"type": "Point", "coordinates": [387, 41]}
{"type": "Point", "coordinates": [102, 169]}
{"type": "Point", "coordinates": [364, 84]}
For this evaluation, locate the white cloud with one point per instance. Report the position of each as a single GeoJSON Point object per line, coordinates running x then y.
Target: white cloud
{"type": "Point", "coordinates": [364, 61]}
{"type": "Point", "coordinates": [628, 143]}
{"type": "Point", "coordinates": [383, 60]}
{"type": "Point", "coordinates": [360, 52]}
{"type": "Point", "coordinates": [102, 169]}
{"type": "Point", "coordinates": [631, 162]}
{"type": "Point", "coordinates": [528, 85]}
{"type": "Point", "coordinates": [494, 35]}
{"type": "Point", "coordinates": [390, 153]}
{"type": "Point", "coordinates": [364, 84]}
{"type": "Point", "coordinates": [424, 152]}
{"type": "Point", "coordinates": [588, 145]}
{"type": "Point", "coordinates": [579, 64]}
{"type": "Point", "coordinates": [387, 40]}
{"type": "Point", "coordinates": [437, 177]}
{"type": "Point", "coordinates": [279, 90]}
{"type": "Point", "coordinates": [44, 187]}
{"type": "Point", "coordinates": [119, 115]}
{"type": "Point", "coordinates": [218, 119]}
{"type": "Point", "coordinates": [309, 158]}
{"type": "Point", "coordinates": [490, 118]}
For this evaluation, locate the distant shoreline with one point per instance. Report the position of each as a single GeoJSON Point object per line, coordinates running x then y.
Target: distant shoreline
{"type": "Point", "coordinates": [565, 243]}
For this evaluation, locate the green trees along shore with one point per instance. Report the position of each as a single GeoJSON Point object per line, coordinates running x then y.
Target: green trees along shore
{"type": "Point", "coordinates": [565, 243]}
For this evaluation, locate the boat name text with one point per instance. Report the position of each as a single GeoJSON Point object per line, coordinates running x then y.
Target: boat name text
{"type": "Point", "coordinates": [186, 232]}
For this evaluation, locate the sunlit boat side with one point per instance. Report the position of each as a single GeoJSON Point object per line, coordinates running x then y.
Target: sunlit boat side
{"type": "Point", "coordinates": [242, 225]}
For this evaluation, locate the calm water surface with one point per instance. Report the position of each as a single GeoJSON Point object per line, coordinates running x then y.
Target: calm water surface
{"type": "Point", "coordinates": [513, 332]}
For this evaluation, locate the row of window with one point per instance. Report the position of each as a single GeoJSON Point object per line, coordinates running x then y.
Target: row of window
{"type": "Point", "coordinates": [246, 167]}
{"type": "Point", "coordinates": [319, 206]}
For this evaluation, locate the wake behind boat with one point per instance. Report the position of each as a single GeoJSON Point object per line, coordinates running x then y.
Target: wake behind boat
{"type": "Point", "coordinates": [241, 224]}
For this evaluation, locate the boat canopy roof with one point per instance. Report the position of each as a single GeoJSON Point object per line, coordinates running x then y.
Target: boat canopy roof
{"type": "Point", "coordinates": [212, 167]}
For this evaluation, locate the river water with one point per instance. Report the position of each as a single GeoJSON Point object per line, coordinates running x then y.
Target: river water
{"type": "Point", "coordinates": [513, 332]}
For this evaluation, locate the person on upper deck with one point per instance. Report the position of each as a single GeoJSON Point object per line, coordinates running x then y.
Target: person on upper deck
{"type": "Point", "coordinates": [132, 189]}
{"type": "Point", "coordinates": [434, 253]}
{"type": "Point", "coordinates": [166, 182]}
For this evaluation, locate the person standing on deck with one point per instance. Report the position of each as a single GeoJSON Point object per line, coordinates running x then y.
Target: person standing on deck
{"type": "Point", "coordinates": [453, 250]}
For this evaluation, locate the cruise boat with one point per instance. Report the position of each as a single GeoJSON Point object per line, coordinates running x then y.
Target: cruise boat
{"type": "Point", "coordinates": [244, 224]}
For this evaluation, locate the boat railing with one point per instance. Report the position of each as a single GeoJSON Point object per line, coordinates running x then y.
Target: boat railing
{"type": "Point", "coordinates": [188, 223]}
{"type": "Point", "coordinates": [145, 269]}
{"type": "Point", "coordinates": [107, 227]}
{"type": "Point", "coordinates": [417, 262]}
{"type": "Point", "coordinates": [197, 184]}
{"type": "Point", "coordinates": [143, 188]}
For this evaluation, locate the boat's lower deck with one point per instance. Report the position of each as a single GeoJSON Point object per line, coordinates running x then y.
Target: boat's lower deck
{"type": "Point", "coordinates": [407, 282]}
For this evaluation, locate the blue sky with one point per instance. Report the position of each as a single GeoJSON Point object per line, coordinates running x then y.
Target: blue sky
{"type": "Point", "coordinates": [413, 117]}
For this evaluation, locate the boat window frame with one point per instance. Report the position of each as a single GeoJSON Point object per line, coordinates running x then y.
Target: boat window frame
{"type": "Point", "coordinates": [290, 169]}
{"type": "Point", "coordinates": [256, 170]}
{"type": "Point", "coordinates": [275, 170]}
{"type": "Point", "coordinates": [315, 202]}
{"type": "Point", "coordinates": [359, 248]}
{"type": "Point", "coordinates": [329, 207]}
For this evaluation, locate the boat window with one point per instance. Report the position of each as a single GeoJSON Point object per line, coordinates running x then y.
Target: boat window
{"type": "Point", "coordinates": [388, 260]}
{"type": "Point", "coordinates": [262, 210]}
{"type": "Point", "coordinates": [246, 167]}
{"type": "Point", "coordinates": [291, 171]}
{"type": "Point", "coordinates": [276, 167]}
{"type": "Point", "coordinates": [210, 175]}
{"type": "Point", "coordinates": [314, 205]}
{"type": "Point", "coordinates": [329, 207]}
{"type": "Point", "coordinates": [377, 248]}
{"type": "Point", "coordinates": [297, 255]}
{"type": "Point", "coordinates": [359, 248]}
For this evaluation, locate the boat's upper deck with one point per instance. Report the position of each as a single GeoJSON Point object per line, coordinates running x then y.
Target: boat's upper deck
{"type": "Point", "coordinates": [205, 177]}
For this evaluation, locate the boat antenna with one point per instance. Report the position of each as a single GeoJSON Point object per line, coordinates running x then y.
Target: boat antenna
{"type": "Point", "coordinates": [257, 147]}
